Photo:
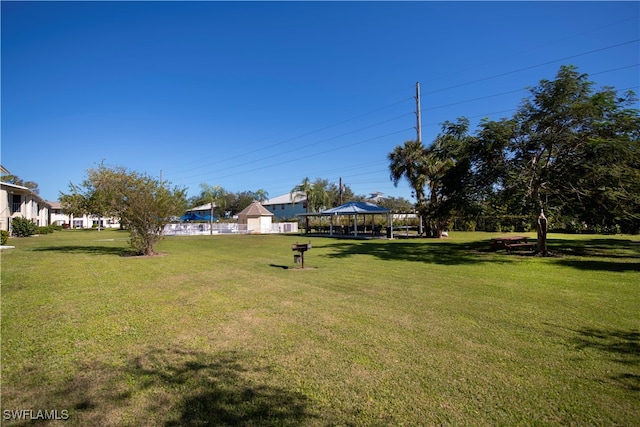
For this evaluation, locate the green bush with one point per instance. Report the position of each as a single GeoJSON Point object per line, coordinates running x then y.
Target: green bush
{"type": "Point", "coordinates": [4, 236]}
{"type": "Point", "coordinates": [45, 230]}
{"type": "Point", "coordinates": [469, 226]}
{"type": "Point", "coordinates": [23, 227]}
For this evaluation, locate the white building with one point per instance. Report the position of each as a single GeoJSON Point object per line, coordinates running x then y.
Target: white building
{"type": "Point", "coordinates": [18, 201]}
{"type": "Point", "coordinates": [84, 221]}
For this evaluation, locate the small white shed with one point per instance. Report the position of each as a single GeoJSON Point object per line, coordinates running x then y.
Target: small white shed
{"type": "Point", "coordinates": [256, 217]}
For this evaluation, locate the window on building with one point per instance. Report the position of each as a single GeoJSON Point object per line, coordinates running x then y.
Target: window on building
{"type": "Point", "coordinates": [16, 202]}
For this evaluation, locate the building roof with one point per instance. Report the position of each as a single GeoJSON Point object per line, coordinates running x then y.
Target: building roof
{"type": "Point", "coordinates": [12, 187]}
{"type": "Point", "coordinates": [352, 208]}
{"type": "Point", "coordinates": [206, 207]}
{"type": "Point", "coordinates": [300, 197]}
{"type": "Point", "coordinates": [254, 210]}
{"type": "Point", "coordinates": [356, 208]}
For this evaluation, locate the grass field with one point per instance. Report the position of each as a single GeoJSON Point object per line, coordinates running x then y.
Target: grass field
{"type": "Point", "coordinates": [224, 330]}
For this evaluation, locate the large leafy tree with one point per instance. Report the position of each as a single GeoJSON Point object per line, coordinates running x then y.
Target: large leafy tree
{"type": "Point", "coordinates": [569, 150]}
{"type": "Point", "coordinates": [396, 204]}
{"type": "Point", "coordinates": [143, 203]}
{"type": "Point", "coordinates": [329, 194]}
{"type": "Point", "coordinates": [315, 193]}
{"type": "Point", "coordinates": [447, 166]}
{"type": "Point", "coordinates": [95, 194]}
{"type": "Point", "coordinates": [442, 169]}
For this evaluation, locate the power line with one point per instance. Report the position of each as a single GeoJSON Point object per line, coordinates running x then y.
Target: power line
{"type": "Point", "coordinates": [397, 117]}
{"type": "Point", "coordinates": [262, 159]}
{"type": "Point", "coordinates": [314, 154]}
{"type": "Point", "coordinates": [531, 67]}
{"type": "Point", "coordinates": [633, 18]}
{"type": "Point", "coordinates": [268, 147]}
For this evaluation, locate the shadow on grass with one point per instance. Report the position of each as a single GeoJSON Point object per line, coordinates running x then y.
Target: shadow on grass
{"type": "Point", "coordinates": [596, 247]}
{"type": "Point", "coordinates": [284, 267]}
{"type": "Point", "coordinates": [181, 388]}
{"type": "Point", "coordinates": [620, 346]}
{"type": "Point", "coordinates": [601, 265]}
{"type": "Point", "coordinates": [92, 250]}
{"type": "Point", "coordinates": [424, 250]}
{"type": "Point", "coordinates": [616, 255]}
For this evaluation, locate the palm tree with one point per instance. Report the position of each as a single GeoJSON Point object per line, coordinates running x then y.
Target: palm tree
{"type": "Point", "coordinates": [261, 195]}
{"type": "Point", "coordinates": [319, 195]}
{"type": "Point", "coordinates": [445, 169]}
{"type": "Point", "coordinates": [434, 167]}
{"type": "Point", "coordinates": [217, 197]}
{"type": "Point", "coordinates": [315, 193]}
{"type": "Point", "coordinates": [304, 189]}
{"type": "Point", "coordinates": [407, 161]}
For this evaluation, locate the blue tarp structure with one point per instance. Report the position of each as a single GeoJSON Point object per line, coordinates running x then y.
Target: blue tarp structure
{"type": "Point", "coordinates": [194, 216]}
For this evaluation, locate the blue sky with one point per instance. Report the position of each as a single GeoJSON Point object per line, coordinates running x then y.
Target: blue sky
{"type": "Point", "coordinates": [259, 95]}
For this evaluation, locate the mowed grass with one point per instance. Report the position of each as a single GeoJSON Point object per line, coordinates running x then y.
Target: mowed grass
{"type": "Point", "coordinates": [225, 330]}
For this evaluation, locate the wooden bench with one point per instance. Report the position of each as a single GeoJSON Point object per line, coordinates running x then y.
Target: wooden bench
{"type": "Point", "coordinates": [510, 247]}
{"type": "Point", "coordinates": [509, 242]}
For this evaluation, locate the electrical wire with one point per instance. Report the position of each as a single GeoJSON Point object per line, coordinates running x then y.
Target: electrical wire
{"type": "Point", "coordinates": [397, 117]}
{"type": "Point", "coordinates": [531, 67]}
{"type": "Point", "coordinates": [268, 147]}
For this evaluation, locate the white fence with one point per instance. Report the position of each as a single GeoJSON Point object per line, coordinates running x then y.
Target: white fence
{"type": "Point", "coordinates": [202, 229]}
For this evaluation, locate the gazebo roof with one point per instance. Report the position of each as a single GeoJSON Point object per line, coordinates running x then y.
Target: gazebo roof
{"type": "Point", "coordinates": [352, 208]}
{"type": "Point", "coordinates": [255, 210]}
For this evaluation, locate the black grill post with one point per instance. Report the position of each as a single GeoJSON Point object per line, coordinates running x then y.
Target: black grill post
{"type": "Point", "coordinates": [301, 248]}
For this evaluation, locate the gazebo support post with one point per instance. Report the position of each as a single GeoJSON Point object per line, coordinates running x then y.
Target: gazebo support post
{"type": "Point", "coordinates": [355, 225]}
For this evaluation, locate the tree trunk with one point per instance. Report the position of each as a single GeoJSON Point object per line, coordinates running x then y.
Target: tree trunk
{"type": "Point", "coordinates": [542, 235]}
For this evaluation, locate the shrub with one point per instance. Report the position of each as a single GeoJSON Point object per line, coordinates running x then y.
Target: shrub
{"type": "Point", "coordinates": [45, 230]}
{"type": "Point", "coordinates": [469, 226]}
{"type": "Point", "coordinates": [4, 236]}
{"type": "Point", "coordinates": [23, 227]}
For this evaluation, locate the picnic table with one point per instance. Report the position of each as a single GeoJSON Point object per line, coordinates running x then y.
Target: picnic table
{"type": "Point", "coordinates": [510, 243]}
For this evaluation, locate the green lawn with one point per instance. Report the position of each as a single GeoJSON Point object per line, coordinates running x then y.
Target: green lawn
{"type": "Point", "coordinates": [224, 330]}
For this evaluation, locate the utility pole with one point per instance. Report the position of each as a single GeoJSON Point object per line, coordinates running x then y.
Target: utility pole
{"type": "Point", "coordinates": [341, 191]}
{"type": "Point", "coordinates": [418, 118]}
{"type": "Point", "coordinates": [419, 134]}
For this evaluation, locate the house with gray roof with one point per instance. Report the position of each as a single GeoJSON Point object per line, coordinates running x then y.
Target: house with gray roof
{"type": "Point", "coordinates": [285, 206]}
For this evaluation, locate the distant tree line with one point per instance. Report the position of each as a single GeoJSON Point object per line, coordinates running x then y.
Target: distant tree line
{"type": "Point", "coordinates": [569, 149]}
{"type": "Point", "coordinates": [319, 194]}
{"type": "Point", "coordinates": [16, 180]}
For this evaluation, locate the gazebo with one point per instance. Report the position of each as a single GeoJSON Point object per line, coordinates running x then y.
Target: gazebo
{"type": "Point", "coordinates": [256, 217]}
{"type": "Point", "coordinates": [353, 209]}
